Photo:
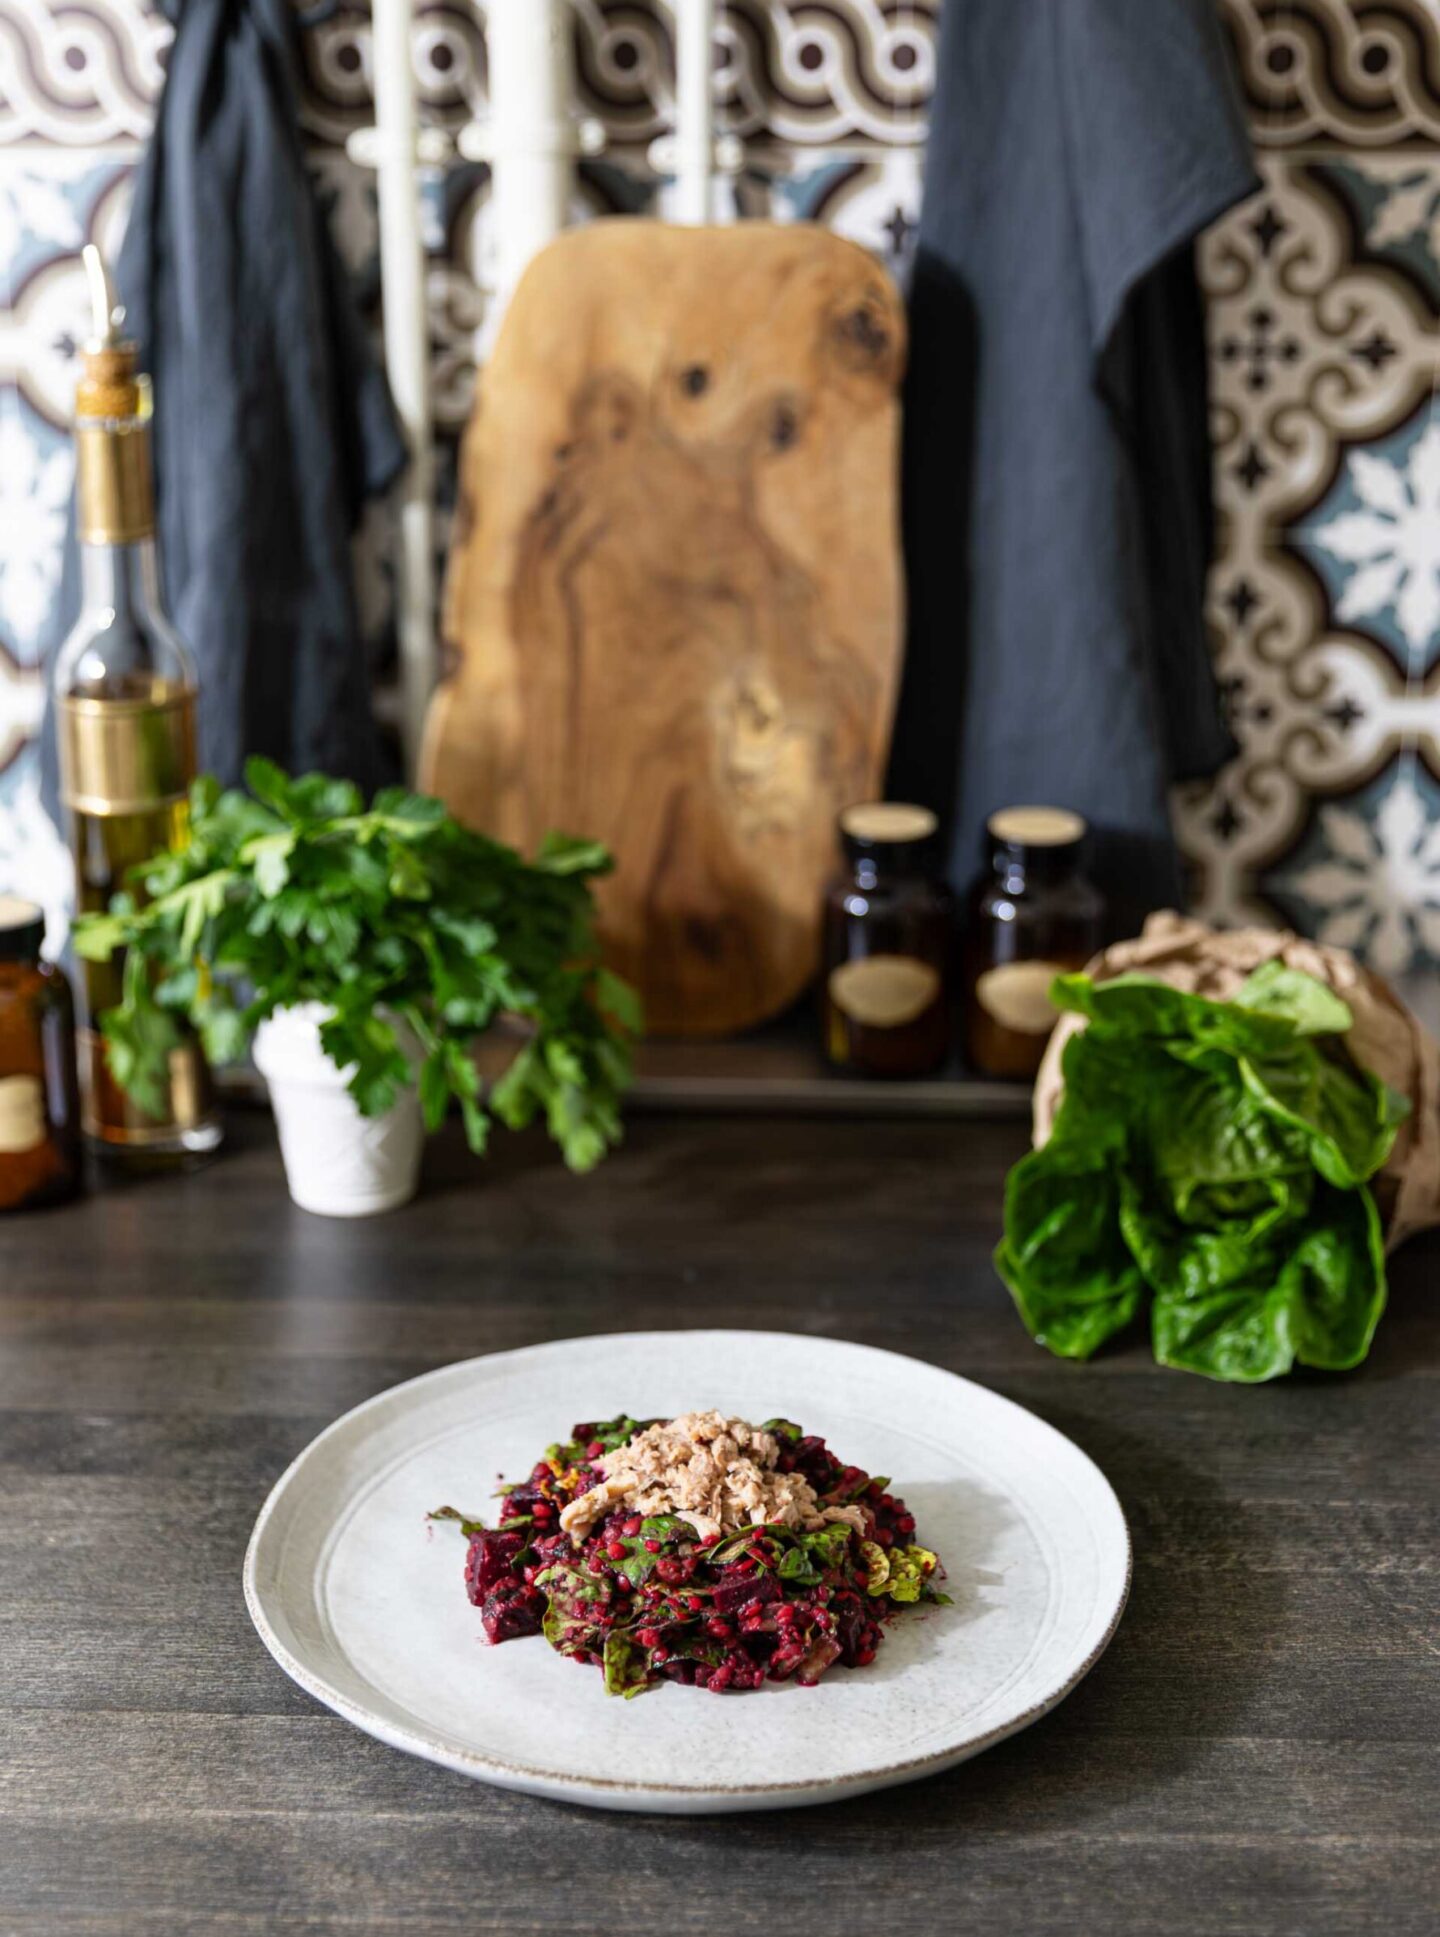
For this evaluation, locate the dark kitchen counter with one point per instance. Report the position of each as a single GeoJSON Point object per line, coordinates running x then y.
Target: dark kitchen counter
{"type": "Point", "coordinates": [1257, 1753]}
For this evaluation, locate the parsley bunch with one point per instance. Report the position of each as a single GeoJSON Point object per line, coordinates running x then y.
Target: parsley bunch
{"type": "Point", "coordinates": [293, 892]}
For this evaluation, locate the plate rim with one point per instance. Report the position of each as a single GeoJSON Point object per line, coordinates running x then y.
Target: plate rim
{"type": "Point", "coordinates": [615, 1792]}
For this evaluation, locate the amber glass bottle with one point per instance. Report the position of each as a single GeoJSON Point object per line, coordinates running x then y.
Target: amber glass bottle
{"type": "Point", "coordinates": [125, 710]}
{"type": "Point", "coordinates": [887, 990]}
{"type": "Point", "coordinates": [39, 1101]}
{"type": "Point", "coordinates": [1032, 917]}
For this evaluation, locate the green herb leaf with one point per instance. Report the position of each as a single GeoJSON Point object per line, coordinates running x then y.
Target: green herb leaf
{"type": "Point", "coordinates": [613, 1433]}
{"type": "Point", "coordinates": [783, 1429]}
{"type": "Point", "coordinates": [434, 1090]}
{"type": "Point", "coordinates": [726, 1547]}
{"type": "Point", "coordinates": [98, 936]}
{"type": "Point", "coordinates": [827, 1547]}
{"type": "Point", "coordinates": [666, 1526]}
{"type": "Point", "coordinates": [468, 1522]}
{"type": "Point", "coordinates": [269, 856]}
{"type": "Point", "coordinates": [624, 1664]}
{"type": "Point", "coordinates": [877, 1566]}
{"type": "Point", "coordinates": [563, 854]}
{"type": "Point", "coordinates": [908, 1572]}
{"type": "Point", "coordinates": [619, 1000]}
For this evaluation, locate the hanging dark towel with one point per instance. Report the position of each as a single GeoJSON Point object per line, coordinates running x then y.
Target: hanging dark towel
{"type": "Point", "coordinates": [1057, 459]}
{"type": "Point", "coordinates": [272, 421]}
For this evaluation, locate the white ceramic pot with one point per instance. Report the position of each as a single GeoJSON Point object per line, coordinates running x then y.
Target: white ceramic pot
{"type": "Point", "coordinates": [337, 1162]}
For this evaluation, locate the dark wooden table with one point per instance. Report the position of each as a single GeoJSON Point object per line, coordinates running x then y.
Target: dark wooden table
{"type": "Point", "coordinates": [1256, 1753]}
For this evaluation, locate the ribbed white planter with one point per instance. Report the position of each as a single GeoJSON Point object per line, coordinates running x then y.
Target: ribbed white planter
{"type": "Point", "coordinates": [337, 1162]}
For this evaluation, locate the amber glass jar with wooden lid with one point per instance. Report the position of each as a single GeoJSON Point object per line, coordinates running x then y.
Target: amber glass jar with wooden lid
{"type": "Point", "coordinates": [39, 1100]}
{"type": "Point", "coordinates": [889, 923]}
{"type": "Point", "coordinates": [1032, 916]}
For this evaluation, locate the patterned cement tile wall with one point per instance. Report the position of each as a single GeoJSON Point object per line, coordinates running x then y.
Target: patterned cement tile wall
{"type": "Point", "coordinates": [1324, 293]}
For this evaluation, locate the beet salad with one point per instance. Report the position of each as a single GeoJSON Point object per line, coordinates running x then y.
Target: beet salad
{"type": "Point", "coordinates": [699, 1549]}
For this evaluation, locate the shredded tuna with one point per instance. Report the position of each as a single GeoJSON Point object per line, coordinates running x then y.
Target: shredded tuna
{"type": "Point", "coordinates": [716, 1473]}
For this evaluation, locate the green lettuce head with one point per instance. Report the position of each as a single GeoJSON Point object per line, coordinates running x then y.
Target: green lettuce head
{"type": "Point", "coordinates": [1210, 1161]}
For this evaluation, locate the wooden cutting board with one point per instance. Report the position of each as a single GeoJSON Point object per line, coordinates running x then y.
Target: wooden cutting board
{"type": "Point", "coordinates": [673, 607]}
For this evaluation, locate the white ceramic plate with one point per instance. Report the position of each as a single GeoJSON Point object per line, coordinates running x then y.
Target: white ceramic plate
{"type": "Point", "coordinates": [363, 1602]}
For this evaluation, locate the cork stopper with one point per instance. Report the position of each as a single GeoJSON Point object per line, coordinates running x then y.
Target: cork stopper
{"type": "Point", "coordinates": [1037, 826]}
{"type": "Point", "coordinates": [110, 385]}
{"type": "Point", "coordinates": [887, 821]}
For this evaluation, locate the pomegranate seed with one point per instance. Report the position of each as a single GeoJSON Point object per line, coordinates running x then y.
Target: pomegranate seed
{"type": "Point", "coordinates": [652, 1546]}
{"type": "Point", "coordinates": [541, 1511]}
{"type": "Point", "coordinates": [594, 1449]}
{"type": "Point", "coordinates": [622, 1586]}
{"type": "Point", "coordinates": [721, 1629]}
{"type": "Point", "coordinates": [633, 1524]}
{"type": "Point", "coordinates": [615, 1549]}
{"type": "Point", "coordinates": [695, 1602]}
{"type": "Point", "coordinates": [647, 1637]}
{"type": "Point", "coordinates": [906, 1523]}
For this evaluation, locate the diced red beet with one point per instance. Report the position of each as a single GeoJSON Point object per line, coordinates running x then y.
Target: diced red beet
{"type": "Point", "coordinates": [818, 1465]}
{"type": "Point", "coordinates": [740, 1590]}
{"type": "Point", "coordinates": [849, 1624]}
{"type": "Point", "coordinates": [508, 1616]}
{"type": "Point", "coordinates": [524, 1499]}
{"type": "Point", "coordinates": [491, 1559]}
{"type": "Point", "coordinates": [822, 1654]}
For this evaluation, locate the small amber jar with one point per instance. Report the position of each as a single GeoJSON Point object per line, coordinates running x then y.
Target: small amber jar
{"type": "Point", "coordinates": [39, 1095]}
{"type": "Point", "coordinates": [889, 923]}
{"type": "Point", "coordinates": [1032, 917]}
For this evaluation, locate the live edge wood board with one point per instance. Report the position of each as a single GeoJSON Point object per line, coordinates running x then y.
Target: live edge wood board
{"type": "Point", "coordinates": [673, 606]}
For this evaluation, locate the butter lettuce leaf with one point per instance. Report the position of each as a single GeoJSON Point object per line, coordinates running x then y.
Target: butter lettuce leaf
{"type": "Point", "coordinates": [1064, 1255]}
{"type": "Point", "coordinates": [1316, 1301]}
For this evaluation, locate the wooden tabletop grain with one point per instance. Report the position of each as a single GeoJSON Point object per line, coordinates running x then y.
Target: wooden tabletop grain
{"type": "Point", "coordinates": [1256, 1754]}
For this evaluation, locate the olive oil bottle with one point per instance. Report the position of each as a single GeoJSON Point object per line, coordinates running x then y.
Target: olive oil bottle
{"type": "Point", "coordinates": [125, 716]}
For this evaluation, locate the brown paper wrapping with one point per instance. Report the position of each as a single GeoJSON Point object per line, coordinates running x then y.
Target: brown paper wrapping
{"type": "Point", "coordinates": [1386, 1039]}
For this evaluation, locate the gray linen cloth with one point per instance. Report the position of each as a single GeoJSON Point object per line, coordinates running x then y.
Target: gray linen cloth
{"type": "Point", "coordinates": [1057, 462]}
